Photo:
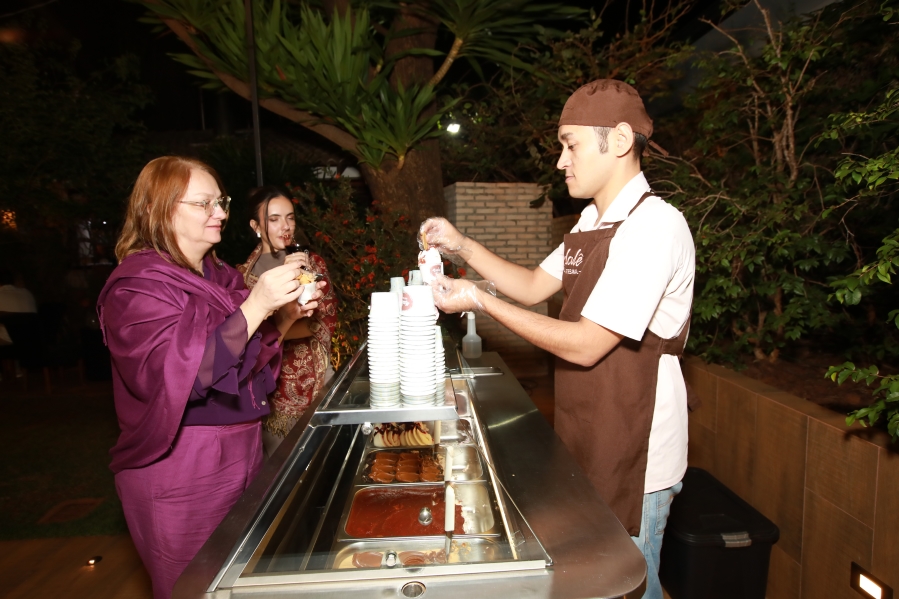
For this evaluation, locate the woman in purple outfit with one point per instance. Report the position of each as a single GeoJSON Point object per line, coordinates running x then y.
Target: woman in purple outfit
{"type": "Point", "coordinates": [194, 355]}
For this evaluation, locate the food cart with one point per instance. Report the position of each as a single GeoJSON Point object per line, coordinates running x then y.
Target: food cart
{"type": "Point", "coordinates": [524, 521]}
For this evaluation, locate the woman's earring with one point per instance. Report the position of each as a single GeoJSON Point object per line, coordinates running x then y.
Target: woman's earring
{"type": "Point", "coordinates": [258, 234]}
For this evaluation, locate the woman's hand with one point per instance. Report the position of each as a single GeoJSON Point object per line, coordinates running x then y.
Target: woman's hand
{"type": "Point", "coordinates": [276, 287]}
{"type": "Point", "coordinates": [289, 313]}
{"type": "Point", "coordinates": [298, 258]}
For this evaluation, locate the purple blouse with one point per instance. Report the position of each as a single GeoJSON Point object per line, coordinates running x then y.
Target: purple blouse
{"type": "Point", "coordinates": [180, 354]}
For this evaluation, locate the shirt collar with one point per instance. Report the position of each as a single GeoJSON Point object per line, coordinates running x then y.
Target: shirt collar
{"type": "Point", "coordinates": [618, 210]}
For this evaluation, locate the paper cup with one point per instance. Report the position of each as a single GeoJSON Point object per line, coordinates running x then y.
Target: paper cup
{"type": "Point", "coordinates": [430, 264]}
{"type": "Point", "coordinates": [397, 284]}
{"type": "Point", "coordinates": [383, 306]}
{"type": "Point", "coordinates": [308, 290]}
{"type": "Point", "coordinates": [418, 300]}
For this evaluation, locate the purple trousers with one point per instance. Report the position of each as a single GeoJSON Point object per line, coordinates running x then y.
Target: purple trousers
{"type": "Point", "coordinates": [173, 505]}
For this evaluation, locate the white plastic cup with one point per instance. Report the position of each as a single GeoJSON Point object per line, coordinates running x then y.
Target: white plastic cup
{"type": "Point", "coordinates": [397, 284]}
{"type": "Point", "coordinates": [430, 264]}
{"type": "Point", "coordinates": [415, 277]}
{"type": "Point", "coordinates": [383, 305]}
{"type": "Point", "coordinates": [308, 290]}
{"type": "Point", "coordinates": [418, 300]}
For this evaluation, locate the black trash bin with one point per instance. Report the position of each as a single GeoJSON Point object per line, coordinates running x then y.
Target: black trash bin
{"type": "Point", "coordinates": [716, 545]}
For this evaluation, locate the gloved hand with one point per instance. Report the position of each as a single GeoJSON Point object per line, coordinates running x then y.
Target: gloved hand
{"type": "Point", "coordinates": [443, 236]}
{"type": "Point", "coordinates": [460, 295]}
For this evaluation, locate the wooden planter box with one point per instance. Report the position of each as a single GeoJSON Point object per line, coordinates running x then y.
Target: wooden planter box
{"type": "Point", "coordinates": [833, 491]}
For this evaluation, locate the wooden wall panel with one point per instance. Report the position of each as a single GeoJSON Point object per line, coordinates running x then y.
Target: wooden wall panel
{"type": "Point", "coordinates": [843, 470]}
{"type": "Point", "coordinates": [705, 385]}
{"type": "Point", "coordinates": [735, 438]}
{"type": "Point", "coordinates": [831, 541]}
{"type": "Point", "coordinates": [779, 483]}
{"type": "Point", "coordinates": [701, 446]}
{"type": "Point", "coordinates": [886, 519]}
{"type": "Point", "coordinates": [783, 576]}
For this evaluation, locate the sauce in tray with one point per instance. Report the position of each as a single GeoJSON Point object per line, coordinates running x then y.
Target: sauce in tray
{"type": "Point", "coordinates": [393, 512]}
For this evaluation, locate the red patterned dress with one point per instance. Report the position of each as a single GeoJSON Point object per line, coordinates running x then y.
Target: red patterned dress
{"type": "Point", "coordinates": [305, 360]}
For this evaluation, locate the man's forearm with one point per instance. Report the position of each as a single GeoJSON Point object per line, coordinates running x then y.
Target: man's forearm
{"type": "Point", "coordinates": [583, 342]}
{"type": "Point", "coordinates": [512, 280]}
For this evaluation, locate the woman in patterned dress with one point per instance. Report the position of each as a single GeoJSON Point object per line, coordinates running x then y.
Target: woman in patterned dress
{"type": "Point", "coordinates": [306, 363]}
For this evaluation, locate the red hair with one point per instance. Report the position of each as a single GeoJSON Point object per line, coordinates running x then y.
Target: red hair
{"type": "Point", "coordinates": [148, 221]}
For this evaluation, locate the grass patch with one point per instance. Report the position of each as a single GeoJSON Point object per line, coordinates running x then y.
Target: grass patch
{"type": "Point", "coordinates": [56, 448]}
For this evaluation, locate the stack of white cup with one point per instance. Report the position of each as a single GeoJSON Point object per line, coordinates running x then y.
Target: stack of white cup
{"type": "Point", "coordinates": [439, 367]}
{"type": "Point", "coordinates": [383, 350]}
{"type": "Point", "coordinates": [417, 372]}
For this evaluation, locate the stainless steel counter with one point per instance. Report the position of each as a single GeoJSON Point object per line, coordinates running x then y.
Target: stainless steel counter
{"type": "Point", "coordinates": [590, 553]}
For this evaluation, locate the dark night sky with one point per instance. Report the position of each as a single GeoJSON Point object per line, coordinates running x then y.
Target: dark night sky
{"type": "Point", "coordinates": [107, 28]}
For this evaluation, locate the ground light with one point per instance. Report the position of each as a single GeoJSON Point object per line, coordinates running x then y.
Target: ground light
{"type": "Point", "coordinates": [93, 561]}
{"type": "Point", "coordinates": [453, 128]}
{"type": "Point", "coordinates": [868, 585]}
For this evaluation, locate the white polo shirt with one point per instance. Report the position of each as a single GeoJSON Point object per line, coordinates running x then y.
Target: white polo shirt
{"type": "Point", "coordinates": [647, 283]}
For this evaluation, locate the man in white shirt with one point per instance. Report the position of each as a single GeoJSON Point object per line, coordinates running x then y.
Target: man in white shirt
{"type": "Point", "coordinates": [627, 269]}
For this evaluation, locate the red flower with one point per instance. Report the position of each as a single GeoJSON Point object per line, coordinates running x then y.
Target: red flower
{"type": "Point", "coordinates": [356, 268]}
{"type": "Point", "coordinates": [355, 338]}
{"type": "Point", "coordinates": [462, 272]}
{"type": "Point", "coordinates": [369, 219]}
{"type": "Point", "coordinates": [295, 201]}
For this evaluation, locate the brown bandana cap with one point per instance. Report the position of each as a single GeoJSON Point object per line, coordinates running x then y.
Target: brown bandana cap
{"type": "Point", "coordinates": [605, 103]}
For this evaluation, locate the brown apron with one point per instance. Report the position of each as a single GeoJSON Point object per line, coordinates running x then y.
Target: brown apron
{"type": "Point", "coordinates": [604, 412]}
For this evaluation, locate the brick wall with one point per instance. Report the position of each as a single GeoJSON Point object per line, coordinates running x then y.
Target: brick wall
{"type": "Point", "coordinates": [499, 216]}
{"type": "Point", "coordinates": [832, 490]}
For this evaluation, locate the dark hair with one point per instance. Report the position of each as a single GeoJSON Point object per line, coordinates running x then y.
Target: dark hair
{"type": "Point", "coordinates": [602, 137]}
{"type": "Point", "coordinates": [640, 143]}
{"type": "Point", "coordinates": [258, 203]}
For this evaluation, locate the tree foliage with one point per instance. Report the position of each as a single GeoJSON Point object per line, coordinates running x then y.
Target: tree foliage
{"type": "Point", "coordinates": [69, 150]}
{"type": "Point", "coordinates": [871, 178]}
{"type": "Point", "coordinates": [342, 73]}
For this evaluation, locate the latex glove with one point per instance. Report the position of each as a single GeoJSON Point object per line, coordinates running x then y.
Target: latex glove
{"type": "Point", "coordinates": [461, 295]}
{"type": "Point", "coordinates": [443, 236]}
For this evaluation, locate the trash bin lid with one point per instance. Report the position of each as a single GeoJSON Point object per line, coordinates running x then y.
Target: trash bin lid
{"type": "Point", "coordinates": [708, 513]}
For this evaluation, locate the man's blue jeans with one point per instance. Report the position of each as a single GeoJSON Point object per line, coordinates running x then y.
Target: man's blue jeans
{"type": "Point", "coordinates": [656, 507]}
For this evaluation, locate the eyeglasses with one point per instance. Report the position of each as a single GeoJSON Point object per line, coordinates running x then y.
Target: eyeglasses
{"type": "Point", "coordinates": [209, 205]}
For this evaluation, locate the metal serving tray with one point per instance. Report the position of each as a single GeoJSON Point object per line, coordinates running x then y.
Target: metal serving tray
{"type": "Point", "coordinates": [464, 550]}
{"type": "Point", "coordinates": [444, 432]}
{"type": "Point", "coordinates": [467, 464]}
{"type": "Point", "coordinates": [475, 498]}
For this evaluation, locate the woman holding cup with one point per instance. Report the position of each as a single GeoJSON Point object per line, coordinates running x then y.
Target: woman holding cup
{"type": "Point", "coordinates": [193, 356]}
{"type": "Point", "coordinates": [306, 361]}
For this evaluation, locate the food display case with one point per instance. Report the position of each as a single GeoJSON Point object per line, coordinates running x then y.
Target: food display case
{"type": "Point", "coordinates": [476, 497]}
